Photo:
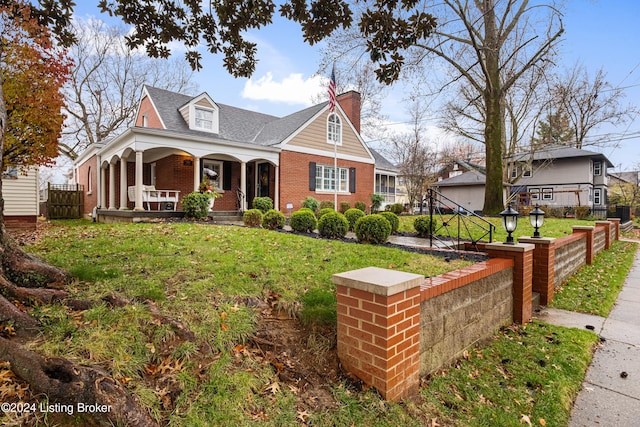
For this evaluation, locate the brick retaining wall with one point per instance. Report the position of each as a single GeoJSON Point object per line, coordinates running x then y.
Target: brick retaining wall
{"type": "Point", "coordinates": [395, 326]}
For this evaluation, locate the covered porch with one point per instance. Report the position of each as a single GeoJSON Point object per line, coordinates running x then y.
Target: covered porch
{"type": "Point", "coordinates": [144, 162]}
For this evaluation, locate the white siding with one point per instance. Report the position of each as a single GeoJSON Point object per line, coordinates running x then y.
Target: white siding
{"type": "Point", "coordinates": [21, 195]}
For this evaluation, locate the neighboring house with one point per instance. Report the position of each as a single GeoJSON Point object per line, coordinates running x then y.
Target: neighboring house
{"type": "Point", "coordinates": [465, 189]}
{"type": "Point", "coordinates": [456, 168]}
{"type": "Point", "coordinates": [557, 176]}
{"type": "Point", "coordinates": [21, 198]}
{"type": "Point", "coordinates": [561, 176]}
{"type": "Point", "coordinates": [176, 137]}
{"type": "Point", "coordinates": [624, 188]}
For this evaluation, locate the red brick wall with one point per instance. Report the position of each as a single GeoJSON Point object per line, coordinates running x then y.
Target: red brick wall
{"type": "Point", "coordinates": [153, 121]}
{"type": "Point", "coordinates": [90, 197]}
{"type": "Point", "coordinates": [294, 180]}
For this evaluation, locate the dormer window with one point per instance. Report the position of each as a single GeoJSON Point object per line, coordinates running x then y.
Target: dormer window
{"type": "Point", "coordinates": [204, 118]}
{"type": "Point", "coordinates": [334, 129]}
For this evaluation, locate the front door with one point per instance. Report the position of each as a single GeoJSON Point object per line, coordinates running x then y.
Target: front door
{"type": "Point", "coordinates": [264, 172]}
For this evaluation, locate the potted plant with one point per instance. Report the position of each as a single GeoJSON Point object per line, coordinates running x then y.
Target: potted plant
{"type": "Point", "coordinates": [207, 188]}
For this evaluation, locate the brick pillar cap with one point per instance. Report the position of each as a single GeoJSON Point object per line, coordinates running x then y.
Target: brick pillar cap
{"type": "Point", "coordinates": [583, 227]}
{"type": "Point", "coordinates": [518, 247]}
{"type": "Point", "coordinates": [613, 219]}
{"type": "Point", "coordinates": [603, 222]}
{"type": "Point", "coordinates": [537, 240]}
{"type": "Point", "coordinates": [380, 281]}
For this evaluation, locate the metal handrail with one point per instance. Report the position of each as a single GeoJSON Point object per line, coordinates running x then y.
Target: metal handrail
{"type": "Point", "coordinates": [463, 216]}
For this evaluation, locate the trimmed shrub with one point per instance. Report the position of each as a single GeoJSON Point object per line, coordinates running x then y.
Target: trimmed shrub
{"type": "Point", "coordinates": [303, 221]}
{"type": "Point", "coordinates": [273, 220]}
{"type": "Point", "coordinates": [324, 211]}
{"type": "Point", "coordinates": [311, 203]}
{"type": "Point", "coordinates": [352, 216]}
{"type": "Point", "coordinates": [333, 225]}
{"type": "Point", "coordinates": [196, 205]}
{"type": "Point", "coordinates": [424, 226]}
{"type": "Point", "coordinates": [263, 203]}
{"type": "Point", "coordinates": [372, 229]}
{"type": "Point", "coordinates": [396, 208]}
{"type": "Point", "coordinates": [393, 220]}
{"type": "Point", "coordinates": [252, 218]}
{"type": "Point", "coordinates": [344, 206]}
{"type": "Point", "coordinates": [327, 204]}
{"type": "Point", "coordinates": [361, 205]}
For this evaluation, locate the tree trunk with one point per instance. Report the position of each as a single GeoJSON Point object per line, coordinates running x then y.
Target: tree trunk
{"type": "Point", "coordinates": [80, 386]}
{"type": "Point", "coordinates": [27, 279]}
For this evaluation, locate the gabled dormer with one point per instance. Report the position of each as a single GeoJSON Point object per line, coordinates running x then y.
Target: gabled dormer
{"type": "Point", "coordinates": [202, 114]}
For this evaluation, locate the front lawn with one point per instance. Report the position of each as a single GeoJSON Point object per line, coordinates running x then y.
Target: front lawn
{"type": "Point", "coordinates": [553, 227]}
{"type": "Point", "coordinates": [248, 362]}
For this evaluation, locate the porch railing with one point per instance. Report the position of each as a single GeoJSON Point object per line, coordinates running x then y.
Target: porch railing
{"type": "Point", "coordinates": [456, 225]}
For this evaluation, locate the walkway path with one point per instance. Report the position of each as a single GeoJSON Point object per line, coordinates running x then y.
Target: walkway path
{"type": "Point", "coordinates": [610, 394]}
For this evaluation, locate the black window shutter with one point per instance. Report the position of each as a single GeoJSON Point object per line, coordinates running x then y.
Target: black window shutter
{"type": "Point", "coordinates": [312, 176]}
{"type": "Point", "coordinates": [352, 180]}
{"type": "Point", "coordinates": [226, 175]}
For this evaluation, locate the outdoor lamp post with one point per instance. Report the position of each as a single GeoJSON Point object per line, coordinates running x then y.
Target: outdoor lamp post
{"type": "Point", "coordinates": [510, 222]}
{"type": "Point", "coordinates": [536, 218]}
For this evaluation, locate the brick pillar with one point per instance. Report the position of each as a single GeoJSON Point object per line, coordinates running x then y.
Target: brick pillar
{"type": "Point", "coordinates": [544, 275]}
{"type": "Point", "coordinates": [589, 230]}
{"type": "Point", "coordinates": [379, 328]}
{"type": "Point", "coordinates": [522, 256]}
{"type": "Point", "coordinates": [607, 226]}
{"type": "Point", "coordinates": [616, 224]}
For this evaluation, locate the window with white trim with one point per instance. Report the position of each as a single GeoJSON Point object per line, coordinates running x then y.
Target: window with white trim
{"type": "Point", "coordinates": [325, 178]}
{"type": "Point", "coordinates": [215, 166]}
{"type": "Point", "coordinates": [203, 118]}
{"type": "Point", "coordinates": [535, 193]}
{"type": "Point", "coordinates": [514, 171]}
{"type": "Point", "coordinates": [334, 129]}
{"type": "Point", "coordinates": [547, 194]}
{"type": "Point", "coordinates": [597, 196]}
{"type": "Point", "coordinates": [597, 168]}
{"type": "Point", "coordinates": [526, 173]}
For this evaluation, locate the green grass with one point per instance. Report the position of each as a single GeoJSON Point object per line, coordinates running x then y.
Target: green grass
{"type": "Point", "coordinates": [595, 288]}
{"type": "Point", "coordinates": [200, 274]}
{"type": "Point", "coordinates": [553, 227]}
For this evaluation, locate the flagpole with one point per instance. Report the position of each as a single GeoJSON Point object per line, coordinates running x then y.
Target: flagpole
{"type": "Point", "coordinates": [332, 106]}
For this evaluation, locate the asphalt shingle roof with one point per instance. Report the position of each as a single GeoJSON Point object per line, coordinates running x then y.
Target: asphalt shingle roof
{"type": "Point", "coordinates": [471, 177]}
{"type": "Point", "coordinates": [236, 124]}
{"type": "Point", "coordinates": [559, 152]}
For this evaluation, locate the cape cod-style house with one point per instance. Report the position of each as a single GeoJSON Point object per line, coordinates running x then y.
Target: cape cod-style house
{"type": "Point", "coordinates": [176, 138]}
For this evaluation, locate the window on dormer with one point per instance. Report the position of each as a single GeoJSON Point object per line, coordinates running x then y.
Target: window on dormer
{"type": "Point", "coordinates": [204, 118]}
{"type": "Point", "coordinates": [334, 129]}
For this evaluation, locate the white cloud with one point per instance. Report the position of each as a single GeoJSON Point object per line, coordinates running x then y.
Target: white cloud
{"type": "Point", "coordinates": [293, 89]}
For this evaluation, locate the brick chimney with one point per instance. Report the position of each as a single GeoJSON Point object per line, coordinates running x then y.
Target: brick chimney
{"type": "Point", "coordinates": [350, 102]}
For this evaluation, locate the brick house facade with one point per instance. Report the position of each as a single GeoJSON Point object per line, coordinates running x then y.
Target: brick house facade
{"type": "Point", "coordinates": [176, 137]}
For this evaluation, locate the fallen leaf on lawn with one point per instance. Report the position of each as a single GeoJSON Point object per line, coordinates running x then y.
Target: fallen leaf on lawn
{"type": "Point", "coordinates": [224, 326]}
{"type": "Point", "coordinates": [302, 415]}
{"type": "Point", "coordinates": [274, 387]}
{"type": "Point", "coordinates": [235, 308]}
{"type": "Point", "coordinates": [125, 380]}
{"type": "Point", "coordinates": [542, 422]}
{"type": "Point", "coordinates": [434, 422]}
{"type": "Point", "coordinates": [223, 315]}
{"type": "Point", "coordinates": [525, 419]}
{"type": "Point", "coordinates": [239, 348]}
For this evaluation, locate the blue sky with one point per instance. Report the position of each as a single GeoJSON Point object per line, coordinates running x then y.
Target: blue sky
{"type": "Point", "coordinates": [599, 33]}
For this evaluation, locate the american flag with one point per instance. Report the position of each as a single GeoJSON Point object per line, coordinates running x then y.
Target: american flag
{"type": "Point", "coordinates": [332, 90]}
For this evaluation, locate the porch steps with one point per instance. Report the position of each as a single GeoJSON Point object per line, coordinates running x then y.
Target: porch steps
{"type": "Point", "coordinates": [226, 216]}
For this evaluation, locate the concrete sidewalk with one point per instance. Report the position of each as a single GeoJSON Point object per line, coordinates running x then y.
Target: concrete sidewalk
{"type": "Point", "coordinates": [610, 394]}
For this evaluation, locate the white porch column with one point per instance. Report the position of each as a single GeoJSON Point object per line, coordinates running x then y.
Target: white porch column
{"type": "Point", "coordinates": [103, 188]}
{"type": "Point", "coordinates": [276, 193]}
{"type": "Point", "coordinates": [243, 184]}
{"type": "Point", "coordinates": [196, 173]}
{"type": "Point", "coordinates": [112, 186]}
{"type": "Point", "coordinates": [139, 177]}
{"type": "Point", "coordinates": [123, 184]}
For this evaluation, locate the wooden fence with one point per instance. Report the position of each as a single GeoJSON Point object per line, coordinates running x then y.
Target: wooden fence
{"type": "Point", "coordinates": [65, 201]}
